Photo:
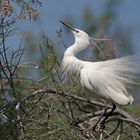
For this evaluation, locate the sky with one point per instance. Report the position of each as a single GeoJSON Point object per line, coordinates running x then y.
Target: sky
{"type": "Point", "coordinates": [126, 16]}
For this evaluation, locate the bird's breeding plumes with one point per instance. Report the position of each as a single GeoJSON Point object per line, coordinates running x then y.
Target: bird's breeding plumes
{"type": "Point", "coordinates": [110, 79]}
{"type": "Point", "coordinates": [71, 65]}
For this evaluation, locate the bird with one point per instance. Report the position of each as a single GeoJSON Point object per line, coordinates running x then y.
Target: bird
{"type": "Point", "coordinates": [107, 79]}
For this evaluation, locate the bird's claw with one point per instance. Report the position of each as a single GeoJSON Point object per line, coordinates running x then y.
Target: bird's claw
{"type": "Point", "coordinates": [97, 128]}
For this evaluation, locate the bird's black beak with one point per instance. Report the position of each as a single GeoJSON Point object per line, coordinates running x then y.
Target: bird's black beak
{"type": "Point", "coordinates": [68, 26]}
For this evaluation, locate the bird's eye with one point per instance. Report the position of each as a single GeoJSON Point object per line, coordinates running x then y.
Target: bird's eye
{"type": "Point", "coordinates": [76, 31]}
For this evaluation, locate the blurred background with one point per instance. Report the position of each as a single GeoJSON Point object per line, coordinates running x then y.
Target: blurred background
{"type": "Point", "coordinates": [32, 43]}
{"type": "Point", "coordinates": [120, 16]}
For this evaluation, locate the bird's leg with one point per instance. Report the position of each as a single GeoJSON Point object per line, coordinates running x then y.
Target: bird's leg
{"type": "Point", "coordinates": [106, 117]}
{"type": "Point", "coordinates": [105, 110]}
{"type": "Point", "coordinates": [97, 123]}
{"type": "Point", "coordinates": [97, 126]}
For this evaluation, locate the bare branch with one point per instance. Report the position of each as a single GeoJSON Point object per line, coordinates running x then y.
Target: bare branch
{"type": "Point", "coordinates": [118, 115]}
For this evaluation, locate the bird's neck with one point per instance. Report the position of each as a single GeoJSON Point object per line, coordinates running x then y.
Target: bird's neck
{"type": "Point", "coordinates": [71, 64]}
{"type": "Point", "coordinates": [75, 48]}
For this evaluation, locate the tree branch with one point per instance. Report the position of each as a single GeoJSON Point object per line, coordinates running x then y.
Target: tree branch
{"type": "Point", "coordinates": [117, 115]}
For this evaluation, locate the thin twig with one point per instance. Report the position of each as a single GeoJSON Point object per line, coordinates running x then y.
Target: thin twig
{"type": "Point", "coordinates": [118, 114]}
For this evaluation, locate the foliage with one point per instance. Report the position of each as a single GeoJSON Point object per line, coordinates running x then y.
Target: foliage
{"type": "Point", "coordinates": [29, 110]}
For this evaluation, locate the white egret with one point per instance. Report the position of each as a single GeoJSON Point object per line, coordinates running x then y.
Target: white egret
{"type": "Point", "coordinates": [107, 79]}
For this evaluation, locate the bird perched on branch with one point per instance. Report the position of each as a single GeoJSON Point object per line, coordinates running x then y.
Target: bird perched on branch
{"type": "Point", "coordinates": [107, 79]}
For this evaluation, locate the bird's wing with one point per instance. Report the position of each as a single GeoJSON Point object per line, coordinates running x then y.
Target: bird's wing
{"type": "Point", "coordinates": [110, 79]}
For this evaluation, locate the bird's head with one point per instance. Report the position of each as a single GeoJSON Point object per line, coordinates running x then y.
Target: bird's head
{"type": "Point", "coordinates": [82, 38]}
{"type": "Point", "coordinates": [79, 35]}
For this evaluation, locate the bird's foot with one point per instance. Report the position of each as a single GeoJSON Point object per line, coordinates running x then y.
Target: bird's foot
{"type": "Point", "coordinates": [97, 128]}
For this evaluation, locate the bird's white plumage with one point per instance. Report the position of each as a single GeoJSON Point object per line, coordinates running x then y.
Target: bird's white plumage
{"type": "Point", "coordinates": [107, 79]}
